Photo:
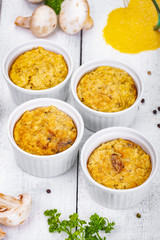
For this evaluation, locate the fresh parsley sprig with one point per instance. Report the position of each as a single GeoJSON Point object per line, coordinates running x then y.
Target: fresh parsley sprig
{"type": "Point", "coordinates": [97, 224]}
{"type": "Point", "coordinates": [79, 229]}
{"type": "Point", "coordinates": [54, 4]}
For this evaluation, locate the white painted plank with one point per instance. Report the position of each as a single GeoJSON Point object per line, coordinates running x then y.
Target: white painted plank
{"type": "Point", "coordinates": [128, 227]}
{"type": "Point", "coordinates": [13, 180]}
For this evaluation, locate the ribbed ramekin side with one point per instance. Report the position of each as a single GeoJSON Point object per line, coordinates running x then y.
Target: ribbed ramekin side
{"type": "Point", "coordinates": [96, 123]}
{"type": "Point", "coordinates": [20, 97]}
{"type": "Point", "coordinates": [119, 200]}
{"type": "Point", "coordinates": [48, 167]}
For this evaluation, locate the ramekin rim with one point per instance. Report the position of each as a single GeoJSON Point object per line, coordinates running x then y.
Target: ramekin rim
{"type": "Point", "coordinates": [43, 91]}
{"type": "Point", "coordinates": [119, 191]}
{"type": "Point", "coordinates": [42, 157]}
{"type": "Point", "coordinates": [99, 113]}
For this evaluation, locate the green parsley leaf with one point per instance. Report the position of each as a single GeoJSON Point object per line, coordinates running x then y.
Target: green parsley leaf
{"type": "Point", "coordinates": [97, 224]}
{"type": "Point", "coordinates": [55, 4]}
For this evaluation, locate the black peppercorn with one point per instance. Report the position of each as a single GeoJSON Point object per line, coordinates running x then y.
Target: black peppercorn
{"type": "Point", "coordinates": [48, 191]}
{"type": "Point", "coordinates": [154, 111]}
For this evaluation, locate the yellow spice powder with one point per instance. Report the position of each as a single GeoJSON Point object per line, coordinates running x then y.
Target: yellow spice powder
{"type": "Point", "coordinates": [130, 30]}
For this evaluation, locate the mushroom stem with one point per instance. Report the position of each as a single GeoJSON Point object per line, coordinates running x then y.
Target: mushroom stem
{"type": "Point", "coordinates": [2, 234]}
{"type": "Point", "coordinates": [14, 211]}
{"type": "Point", "coordinates": [88, 24]}
{"type": "Point", "coordinates": [23, 22]}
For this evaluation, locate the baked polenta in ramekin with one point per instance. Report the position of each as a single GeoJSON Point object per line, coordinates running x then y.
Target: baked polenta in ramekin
{"type": "Point", "coordinates": [38, 69]}
{"type": "Point", "coordinates": [107, 89]}
{"type": "Point", "coordinates": [119, 164]}
{"type": "Point", "coordinates": [45, 131]}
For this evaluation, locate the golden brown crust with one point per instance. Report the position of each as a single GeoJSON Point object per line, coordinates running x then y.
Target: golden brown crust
{"type": "Point", "coordinates": [119, 164]}
{"type": "Point", "coordinates": [107, 89]}
{"type": "Point", "coordinates": [38, 69]}
{"type": "Point", "coordinates": [45, 131]}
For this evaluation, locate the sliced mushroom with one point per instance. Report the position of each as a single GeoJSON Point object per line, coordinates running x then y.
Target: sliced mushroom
{"type": "Point", "coordinates": [42, 22]}
{"type": "Point", "coordinates": [14, 211]}
{"type": "Point", "coordinates": [35, 1]}
{"type": "Point", "coordinates": [74, 16]}
{"type": "Point", "coordinates": [117, 162]}
{"type": "Point", "coordinates": [2, 234]}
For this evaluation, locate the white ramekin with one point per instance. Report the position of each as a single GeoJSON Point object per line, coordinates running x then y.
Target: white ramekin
{"type": "Point", "coordinates": [113, 198]}
{"type": "Point", "coordinates": [95, 120]}
{"type": "Point", "coordinates": [21, 95]}
{"type": "Point", "coordinates": [52, 165]}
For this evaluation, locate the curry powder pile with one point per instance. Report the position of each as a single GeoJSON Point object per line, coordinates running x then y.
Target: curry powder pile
{"type": "Point", "coordinates": [130, 30]}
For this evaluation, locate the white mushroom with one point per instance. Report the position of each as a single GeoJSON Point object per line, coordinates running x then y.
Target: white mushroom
{"type": "Point", "coordinates": [2, 234]}
{"type": "Point", "coordinates": [74, 16]}
{"type": "Point", "coordinates": [42, 22]}
{"type": "Point", "coordinates": [35, 1]}
{"type": "Point", "coordinates": [14, 211]}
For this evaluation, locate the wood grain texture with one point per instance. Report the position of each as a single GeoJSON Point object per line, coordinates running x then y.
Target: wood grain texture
{"type": "Point", "coordinates": [64, 188]}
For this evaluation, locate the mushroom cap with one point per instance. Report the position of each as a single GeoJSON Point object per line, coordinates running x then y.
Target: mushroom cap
{"type": "Point", "coordinates": [35, 1]}
{"type": "Point", "coordinates": [43, 21]}
{"type": "Point", "coordinates": [14, 211]}
{"type": "Point", "coordinates": [73, 15]}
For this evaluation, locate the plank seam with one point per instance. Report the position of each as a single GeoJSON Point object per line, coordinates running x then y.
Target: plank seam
{"type": "Point", "coordinates": [0, 8]}
{"type": "Point", "coordinates": [77, 182]}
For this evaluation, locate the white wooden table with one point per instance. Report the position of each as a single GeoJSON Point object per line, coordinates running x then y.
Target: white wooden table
{"type": "Point", "coordinates": [69, 193]}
